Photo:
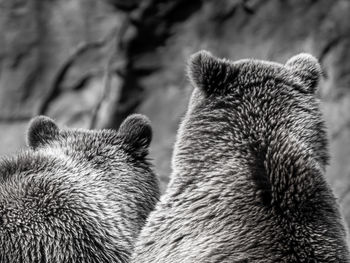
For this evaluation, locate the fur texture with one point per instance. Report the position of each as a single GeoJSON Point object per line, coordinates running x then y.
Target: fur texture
{"type": "Point", "coordinates": [248, 179]}
{"type": "Point", "coordinates": [76, 195]}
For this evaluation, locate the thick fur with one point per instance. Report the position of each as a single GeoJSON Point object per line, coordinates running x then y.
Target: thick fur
{"type": "Point", "coordinates": [76, 195]}
{"type": "Point", "coordinates": [248, 179]}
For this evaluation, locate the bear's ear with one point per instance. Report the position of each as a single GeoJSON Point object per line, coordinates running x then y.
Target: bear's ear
{"type": "Point", "coordinates": [307, 68]}
{"type": "Point", "coordinates": [210, 74]}
{"type": "Point", "coordinates": [136, 133]}
{"type": "Point", "coordinates": [41, 130]}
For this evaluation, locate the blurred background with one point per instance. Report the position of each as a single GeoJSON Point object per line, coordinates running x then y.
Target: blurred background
{"type": "Point", "coordinates": [90, 63]}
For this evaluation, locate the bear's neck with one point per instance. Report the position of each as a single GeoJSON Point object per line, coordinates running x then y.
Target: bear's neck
{"type": "Point", "coordinates": [205, 144]}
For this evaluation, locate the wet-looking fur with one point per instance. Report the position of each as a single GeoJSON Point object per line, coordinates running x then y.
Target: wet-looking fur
{"type": "Point", "coordinates": [76, 195]}
{"type": "Point", "coordinates": [248, 179]}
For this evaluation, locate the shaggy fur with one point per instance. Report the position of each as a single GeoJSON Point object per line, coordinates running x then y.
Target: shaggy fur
{"type": "Point", "coordinates": [248, 170]}
{"type": "Point", "coordinates": [76, 195]}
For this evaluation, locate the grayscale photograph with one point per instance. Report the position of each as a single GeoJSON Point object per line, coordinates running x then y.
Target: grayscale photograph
{"type": "Point", "coordinates": [174, 131]}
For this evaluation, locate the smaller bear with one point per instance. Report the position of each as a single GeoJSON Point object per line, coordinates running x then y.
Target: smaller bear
{"type": "Point", "coordinates": [248, 179]}
{"type": "Point", "coordinates": [76, 195]}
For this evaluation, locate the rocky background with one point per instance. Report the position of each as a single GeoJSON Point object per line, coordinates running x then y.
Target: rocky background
{"type": "Point", "coordinates": [90, 63]}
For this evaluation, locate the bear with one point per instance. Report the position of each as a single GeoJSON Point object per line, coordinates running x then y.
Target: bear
{"type": "Point", "coordinates": [248, 170]}
{"type": "Point", "coordinates": [76, 195]}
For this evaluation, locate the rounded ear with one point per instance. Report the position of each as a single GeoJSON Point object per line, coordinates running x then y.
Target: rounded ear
{"type": "Point", "coordinates": [136, 133]}
{"type": "Point", "coordinates": [210, 74]}
{"type": "Point", "coordinates": [307, 68]}
{"type": "Point", "coordinates": [41, 130]}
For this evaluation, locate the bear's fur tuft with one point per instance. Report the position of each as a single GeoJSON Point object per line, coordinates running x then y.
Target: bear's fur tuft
{"type": "Point", "coordinates": [137, 133]}
{"type": "Point", "coordinates": [307, 68]}
{"type": "Point", "coordinates": [41, 130]}
{"type": "Point", "coordinates": [209, 73]}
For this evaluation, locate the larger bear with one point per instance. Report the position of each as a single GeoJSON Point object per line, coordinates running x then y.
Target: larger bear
{"type": "Point", "coordinates": [248, 179]}
{"type": "Point", "coordinates": [77, 196]}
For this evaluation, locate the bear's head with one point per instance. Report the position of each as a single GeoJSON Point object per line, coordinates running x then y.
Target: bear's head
{"type": "Point", "coordinates": [133, 137]}
{"type": "Point", "coordinates": [76, 195]}
{"type": "Point", "coordinates": [255, 96]}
